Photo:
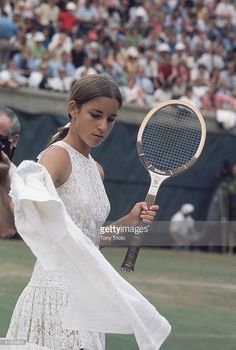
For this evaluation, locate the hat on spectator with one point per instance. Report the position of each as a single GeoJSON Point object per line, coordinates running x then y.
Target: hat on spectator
{"type": "Point", "coordinates": [39, 37]}
{"type": "Point", "coordinates": [132, 52]}
{"type": "Point", "coordinates": [163, 47]}
{"type": "Point", "coordinates": [187, 208]}
{"type": "Point", "coordinates": [70, 6]}
{"type": "Point", "coordinates": [140, 12]}
{"type": "Point", "coordinates": [179, 46]}
{"type": "Point", "coordinates": [93, 44]}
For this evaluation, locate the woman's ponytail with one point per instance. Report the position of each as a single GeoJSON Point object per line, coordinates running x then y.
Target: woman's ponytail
{"type": "Point", "coordinates": [62, 132]}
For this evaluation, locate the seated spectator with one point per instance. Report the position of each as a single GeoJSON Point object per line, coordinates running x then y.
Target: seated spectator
{"type": "Point", "coordinates": [180, 54]}
{"type": "Point", "coordinates": [78, 53]}
{"type": "Point", "coordinates": [208, 100]}
{"type": "Point", "coordinates": [179, 87]}
{"type": "Point", "coordinates": [87, 17]}
{"type": "Point", "coordinates": [133, 37]}
{"type": "Point", "coordinates": [65, 62]}
{"type": "Point", "coordinates": [24, 62]}
{"type": "Point", "coordinates": [213, 58]}
{"type": "Point", "coordinates": [132, 93]}
{"type": "Point", "coordinates": [138, 17]}
{"type": "Point", "coordinates": [200, 74]}
{"type": "Point", "coordinates": [11, 78]}
{"type": "Point", "coordinates": [131, 63]}
{"type": "Point", "coordinates": [39, 79]}
{"type": "Point", "coordinates": [47, 13]}
{"type": "Point", "coordinates": [149, 63]}
{"type": "Point", "coordinates": [93, 52]}
{"type": "Point", "coordinates": [37, 48]}
{"type": "Point", "coordinates": [182, 71]}
{"type": "Point", "coordinates": [86, 69]}
{"type": "Point", "coordinates": [162, 93]}
{"type": "Point", "coordinates": [112, 68]}
{"type": "Point", "coordinates": [143, 81]}
{"type": "Point", "coordinates": [67, 19]}
{"type": "Point", "coordinates": [61, 42]}
{"type": "Point", "coordinates": [228, 76]}
{"type": "Point", "coordinates": [166, 71]}
{"type": "Point", "coordinates": [191, 97]}
{"type": "Point", "coordinates": [61, 83]}
{"type": "Point", "coordinates": [8, 29]}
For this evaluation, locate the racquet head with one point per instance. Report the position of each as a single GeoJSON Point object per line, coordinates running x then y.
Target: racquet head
{"type": "Point", "coordinates": [171, 138]}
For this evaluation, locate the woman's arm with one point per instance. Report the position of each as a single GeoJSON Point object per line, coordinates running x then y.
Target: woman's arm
{"type": "Point", "coordinates": [57, 162]}
{"type": "Point", "coordinates": [140, 214]}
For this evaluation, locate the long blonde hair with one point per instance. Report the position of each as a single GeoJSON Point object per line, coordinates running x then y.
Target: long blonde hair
{"type": "Point", "coordinates": [86, 89]}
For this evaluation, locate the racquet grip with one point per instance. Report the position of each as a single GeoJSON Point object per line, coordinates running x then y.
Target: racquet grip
{"type": "Point", "coordinates": [136, 241]}
{"type": "Point", "coordinates": [130, 259]}
{"type": "Point", "coordinates": [132, 253]}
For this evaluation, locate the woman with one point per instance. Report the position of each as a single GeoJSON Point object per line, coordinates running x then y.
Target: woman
{"type": "Point", "coordinates": [93, 107]}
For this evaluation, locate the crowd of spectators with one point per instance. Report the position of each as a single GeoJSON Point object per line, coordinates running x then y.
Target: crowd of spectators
{"type": "Point", "coordinates": [155, 50]}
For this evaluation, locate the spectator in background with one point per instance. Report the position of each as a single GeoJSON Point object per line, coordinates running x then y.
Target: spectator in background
{"type": "Point", "coordinates": [93, 52]}
{"type": "Point", "coordinates": [193, 39]}
{"type": "Point", "coordinates": [24, 62]}
{"type": "Point", "coordinates": [149, 64]}
{"type": "Point", "coordinates": [162, 93]}
{"type": "Point", "coordinates": [61, 82]}
{"type": "Point", "coordinates": [178, 88]}
{"type": "Point", "coordinates": [191, 97]}
{"type": "Point", "coordinates": [47, 13]}
{"type": "Point", "coordinates": [85, 69]}
{"type": "Point", "coordinates": [222, 208]}
{"type": "Point", "coordinates": [228, 76]}
{"type": "Point", "coordinates": [37, 48]}
{"type": "Point", "coordinates": [131, 62]}
{"type": "Point", "coordinates": [39, 79]}
{"type": "Point", "coordinates": [166, 71]}
{"type": "Point", "coordinates": [65, 62]}
{"type": "Point", "coordinates": [9, 137]}
{"type": "Point", "coordinates": [8, 29]}
{"type": "Point", "coordinates": [78, 53]}
{"type": "Point", "coordinates": [87, 17]}
{"type": "Point", "coordinates": [11, 78]}
{"type": "Point", "coordinates": [182, 227]}
{"type": "Point", "coordinates": [60, 42]}
{"type": "Point", "coordinates": [133, 93]}
{"type": "Point", "coordinates": [67, 19]}
{"type": "Point", "coordinates": [180, 54]}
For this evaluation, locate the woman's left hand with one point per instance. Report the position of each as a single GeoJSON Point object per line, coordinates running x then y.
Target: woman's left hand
{"type": "Point", "coordinates": [141, 213]}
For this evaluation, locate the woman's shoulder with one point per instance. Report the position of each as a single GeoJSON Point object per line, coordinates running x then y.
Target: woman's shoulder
{"type": "Point", "coordinates": [57, 161]}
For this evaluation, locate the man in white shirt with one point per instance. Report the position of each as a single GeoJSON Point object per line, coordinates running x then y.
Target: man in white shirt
{"type": "Point", "coordinates": [9, 137]}
{"type": "Point", "coordinates": [182, 226]}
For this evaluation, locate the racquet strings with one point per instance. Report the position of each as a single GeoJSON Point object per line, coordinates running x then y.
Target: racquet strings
{"type": "Point", "coordinates": [171, 137]}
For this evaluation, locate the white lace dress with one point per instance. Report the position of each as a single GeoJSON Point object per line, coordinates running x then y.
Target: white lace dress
{"type": "Point", "coordinates": [39, 309]}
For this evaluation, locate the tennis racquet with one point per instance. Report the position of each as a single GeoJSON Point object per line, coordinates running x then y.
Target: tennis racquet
{"type": "Point", "coordinates": [170, 140]}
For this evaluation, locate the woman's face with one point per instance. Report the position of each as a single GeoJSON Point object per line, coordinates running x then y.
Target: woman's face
{"type": "Point", "coordinates": [92, 123]}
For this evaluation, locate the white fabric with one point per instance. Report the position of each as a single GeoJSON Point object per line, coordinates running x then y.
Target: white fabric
{"type": "Point", "coordinates": [41, 307]}
{"type": "Point", "coordinates": [107, 302]}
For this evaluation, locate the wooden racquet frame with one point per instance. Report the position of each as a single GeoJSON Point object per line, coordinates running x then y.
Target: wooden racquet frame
{"type": "Point", "coordinates": [157, 176]}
